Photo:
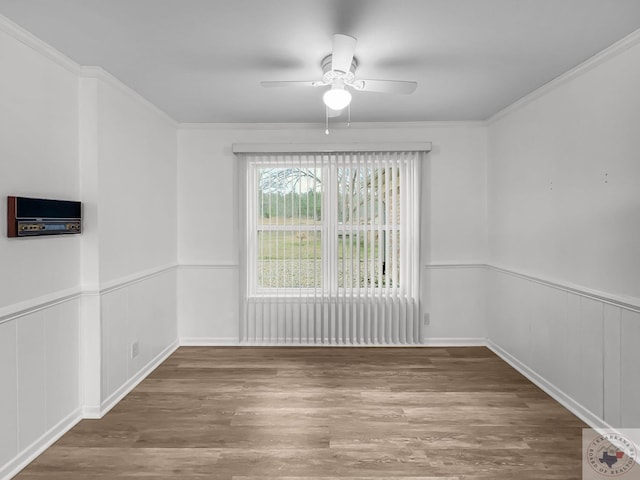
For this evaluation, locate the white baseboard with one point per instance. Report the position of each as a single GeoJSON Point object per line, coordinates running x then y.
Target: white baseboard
{"type": "Point", "coordinates": [231, 341]}
{"type": "Point", "coordinates": [133, 382]}
{"type": "Point", "coordinates": [208, 341]}
{"type": "Point", "coordinates": [453, 342]}
{"type": "Point", "coordinates": [29, 454]}
{"type": "Point", "coordinates": [91, 412]}
{"type": "Point", "coordinates": [562, 398]}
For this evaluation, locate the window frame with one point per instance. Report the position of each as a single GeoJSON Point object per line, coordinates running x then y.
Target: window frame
{"type": "Point", "coordinates": [329, 228]}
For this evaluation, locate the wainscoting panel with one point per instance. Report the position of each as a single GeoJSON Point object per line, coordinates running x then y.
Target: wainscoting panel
{"type": "Point", "coordinates": [152, 307]}
{"type": "Point", "coordinates": [62, 358]}
{"type": "Point", "coordinates": [591, 395]}
{"type": "Point", "coordinates": [9, 397]}
{"type": "Point", "coordinates": [570, 380]}
{"type": "Point", "coordinates": [40, 379]}
{"type": "Point", "coordinates": [31, 343]}
{"type": "Point", "coordinates": [508, 316]}
{"type": "Point", "coordinates": [612, 363]}
{"type": "Point", "coordinates": [142, 312]}
{"type": "Point", "coordinates": [584, 347]}
{"type": "Point", "coordinates": [454, 296]}
{"type": "Point", "coordinates": [208, 304]}
{"type": "Point", "coordinates": [114, 322]}
{"type": "Point", "coordinates": [630, 370]}
{"type": "Point", "coordinates": [548, 330]}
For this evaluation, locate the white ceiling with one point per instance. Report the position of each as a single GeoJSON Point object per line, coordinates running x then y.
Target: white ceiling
{"type": "Point", "coordinates": [202, 60]}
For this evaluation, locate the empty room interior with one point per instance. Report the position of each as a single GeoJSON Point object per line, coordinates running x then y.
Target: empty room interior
{"type": "Point", "coordinates": [319, 239]}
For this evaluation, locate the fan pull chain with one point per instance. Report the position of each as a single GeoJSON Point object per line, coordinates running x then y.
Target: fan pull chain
{"type": "Point", "coordinates": [348, 115]}
{"type": "Point", "coordinates": [326, 111]}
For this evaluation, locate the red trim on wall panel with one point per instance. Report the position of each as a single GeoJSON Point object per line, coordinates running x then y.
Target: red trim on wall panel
{"type": "Point", "coordinates": [12, 224]}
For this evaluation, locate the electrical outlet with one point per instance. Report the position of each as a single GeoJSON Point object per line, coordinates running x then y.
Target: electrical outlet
{"type": "Point", "coordinates": [426, 319]}
{"type": "Point", "coordinates": [135, 349]}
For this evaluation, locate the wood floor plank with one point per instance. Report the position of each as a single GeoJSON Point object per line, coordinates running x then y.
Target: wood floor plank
{"type": "Point", "coordinates": [245, 413]}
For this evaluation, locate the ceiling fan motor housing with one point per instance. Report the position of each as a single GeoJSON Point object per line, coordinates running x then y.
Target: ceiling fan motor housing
{"type": "Point", "coordinates": [329, 75]}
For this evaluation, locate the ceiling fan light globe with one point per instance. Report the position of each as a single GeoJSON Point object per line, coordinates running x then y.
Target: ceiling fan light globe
{"type": "Point", "coordinates": [336, 98]}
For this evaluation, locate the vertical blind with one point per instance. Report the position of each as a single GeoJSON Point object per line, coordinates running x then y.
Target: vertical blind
{"type": "Point", "coordinates": [331, 247]}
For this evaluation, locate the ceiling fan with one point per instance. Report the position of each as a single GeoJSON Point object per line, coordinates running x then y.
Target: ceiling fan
{"type": "Point", "coordinates": [339, 73]}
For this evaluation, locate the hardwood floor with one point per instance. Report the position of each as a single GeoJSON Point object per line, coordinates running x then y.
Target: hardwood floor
{"type": "Point", "coordinates": [325, 413]}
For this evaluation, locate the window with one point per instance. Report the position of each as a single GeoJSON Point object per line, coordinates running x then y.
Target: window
{"type": "Point", "coordinates": [329, 222]}
{"type": "Point", "coordinates": [288, 226]}
{"type": "Point", "coordinates": [329, 237]}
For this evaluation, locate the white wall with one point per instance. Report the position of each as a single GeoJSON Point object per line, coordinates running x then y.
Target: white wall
{"type": "Point", "coordinates": [564, 207]}
{"type": "Point", "coordinates": [136, 185]}
{"type": "Point", "coordinates": [39, 348]}
{"type": "Point", "coordinates": [38, 157]}
{"type": "Point", "coordinates": [208, 245]}
{"type": "Point", "coordinates": [564, 177]}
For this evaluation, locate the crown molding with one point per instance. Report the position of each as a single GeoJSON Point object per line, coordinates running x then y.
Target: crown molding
{"type": "Point", "coordinates": [25, 37]}
{"type": "Point", "coordinates": [30, 40]}
{"type": "Point", "coordinates": [101, 74]}
{"type": "Point", "coordinates": [321, 126]}
{"type": "Point", "coordinates": [599, 58]}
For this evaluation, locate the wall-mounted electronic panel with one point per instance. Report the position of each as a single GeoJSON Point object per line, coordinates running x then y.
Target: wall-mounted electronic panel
{"type": "Point", "coordinates": [32, 217]}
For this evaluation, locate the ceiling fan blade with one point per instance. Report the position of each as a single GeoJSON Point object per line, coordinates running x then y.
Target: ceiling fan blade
{"type": "Point", "coordinates": [290, 84]}
{"type": "Point", "coordinates": [342, 52]}
{"type": "Point", "coordinates": [386, 86]}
